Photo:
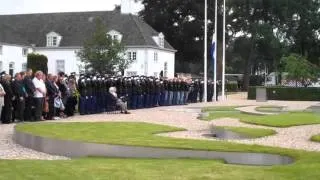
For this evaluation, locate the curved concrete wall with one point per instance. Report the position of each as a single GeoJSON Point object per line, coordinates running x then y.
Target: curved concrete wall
{"type": "Point", "coordinates": [81, 149]}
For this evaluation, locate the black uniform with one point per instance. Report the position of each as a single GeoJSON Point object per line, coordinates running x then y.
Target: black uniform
{"type": "Point", "coordinates": [30, 89]}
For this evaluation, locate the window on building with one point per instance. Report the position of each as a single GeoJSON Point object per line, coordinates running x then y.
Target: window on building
{"type": "Point", "coordinates": [52, 41]}
{"type": "Point", "coordinates": [132, 56]}
{"type": "Point", "coordinates": [155, 57]}
{"type": "Point", "coordinates": [161, 40]}
{"type": "Point", "coordinates": [24, 67]}
{"type": "Point", "coordinates": [60, 66]}
{"type": "Point", "coordinates": [132, 73]}
{"type": "Point", "coordinates": [1, 66]}
{"type": "Point", "coordinates": [165, 69]}
{"type": "Point", "coordinates": [1, 49]}
{"type": "Point", "coordinates": [115, 37]}
{"type": "Point", "coordinates": [24, 51]}
{"type": "Point", "coordinates": [11, 68]}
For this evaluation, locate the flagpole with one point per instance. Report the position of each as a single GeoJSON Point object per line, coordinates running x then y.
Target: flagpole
{"type": "Point", "coordinates": [216, 50]}
{"type": "Point", "coordinates": [205, 49]}
{"type": "Point", "coordinates": [224, 51]}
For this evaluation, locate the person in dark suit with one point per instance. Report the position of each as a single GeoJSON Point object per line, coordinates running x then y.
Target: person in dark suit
{"type": "Point", "coordinates": [52, 92]}
{"type": "Point", "coordinates": [19, 96]}
{"type": "Point", "coordinates": [30, 89]}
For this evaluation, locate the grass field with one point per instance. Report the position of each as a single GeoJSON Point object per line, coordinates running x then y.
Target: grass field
{"type": "Point", "coordinates": [251, 132]}
{"type": "Point", "coordinates": [287, 119]}
{"type": "Point", "coordinates": [151, 169]}
{"type": "Point", "coordinates": [142, 134]}
{"type": "Point", "coordinates": [316, 138]}
{"type": "Point", "coordinates": [269, 109]}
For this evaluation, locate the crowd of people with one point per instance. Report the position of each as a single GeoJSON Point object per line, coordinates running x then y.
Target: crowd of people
{"type": "Point", "coordinates": [36, 97]}
{"type": "Point", "coordinates": [137, 92]}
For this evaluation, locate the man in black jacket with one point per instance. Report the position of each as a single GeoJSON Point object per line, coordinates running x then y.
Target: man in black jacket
{"type": "Point", "coordinates": [30, 89]}
{"type": "Point", "coordinates": [52, 93]}
{"type": "Point", "coordinates": [19, 97]}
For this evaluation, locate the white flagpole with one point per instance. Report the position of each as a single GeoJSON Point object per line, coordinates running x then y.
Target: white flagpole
{"type": "Point", "coordinates": [224, 51]}
{"type": "Point", "coordinates": [205, 50]}
{"type": "Point", "coordinates": [215, 50]}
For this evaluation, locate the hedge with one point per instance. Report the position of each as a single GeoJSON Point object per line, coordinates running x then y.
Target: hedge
{"type": "Point", "coordinates": [37, 62]}
{"type": "Point", "coordinates": [288, 93]}
{"type": "Point", "coordinates": [232, 87]}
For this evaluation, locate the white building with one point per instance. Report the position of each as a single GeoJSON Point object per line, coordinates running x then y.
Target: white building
{"type": "Point", "coordinates": [59, 36]}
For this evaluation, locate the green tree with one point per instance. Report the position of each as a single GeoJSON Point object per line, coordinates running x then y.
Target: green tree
{"type": "Point", "coordinates": [37, 62]}
{"type": "Point", "coordinates": [299, 69]}
{"type": "Point", "coordinates": [102, 53]}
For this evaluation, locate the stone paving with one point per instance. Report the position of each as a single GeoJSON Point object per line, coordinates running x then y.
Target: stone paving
{"type": "Point", "coordinates": [184, 117]}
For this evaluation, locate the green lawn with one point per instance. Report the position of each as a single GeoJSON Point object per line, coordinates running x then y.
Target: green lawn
{"type": "Point", "coordinates": [283, 120]}
{"type": "Point", "coordinates": [315, 138]}
{"type": "Point", "coordinates": [287, 119]}
{"type": "Point", "coordinates": [306, 166]}
{"type": "Point", "coordinates": [221, 112]}
{"type": "Point", "coordinates": [251, 132]}
{"type": "Point", "coordinates": [269, 109]}
{"type": "Point", "coordinates": [150, 169]}
{"type": "Point", "coordinates": [220, 108]}
{"type": "Point", "coordinates": [132, 134]}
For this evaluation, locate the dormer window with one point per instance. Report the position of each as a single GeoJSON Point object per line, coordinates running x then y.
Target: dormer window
{"type": "Point", "coordinates": [161, 40]}
{"type": "Point", "coordinates": [53, 39]}
{"type": "Point", "coordinates": [115, 35]}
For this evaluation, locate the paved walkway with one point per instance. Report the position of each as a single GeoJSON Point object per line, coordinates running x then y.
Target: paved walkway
{"type": "Point", "coordinates": [183, 117]}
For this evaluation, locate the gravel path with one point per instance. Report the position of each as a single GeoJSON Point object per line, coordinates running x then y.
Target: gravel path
{"type": "Point", "coordinates": [183, 117]}
{"type": "Point", "coordinates": [10, 150]}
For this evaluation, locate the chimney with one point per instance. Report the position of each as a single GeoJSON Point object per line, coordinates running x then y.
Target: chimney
{"type": "Point", "coordinates": [127, 6]}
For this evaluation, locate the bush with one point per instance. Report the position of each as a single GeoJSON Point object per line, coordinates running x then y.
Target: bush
{"type": "Point", "coordinates": [38, 62]}
{"type": "Point", "coordinates": [232, 87]}
{"type": "Point", "coordinates": [288, 93]}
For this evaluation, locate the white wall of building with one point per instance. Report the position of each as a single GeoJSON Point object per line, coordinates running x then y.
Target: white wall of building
{"type": "Point", "coordinates": [69, 56]}
{"type": "Point", "coordinates": [13, 54]}
{"type": "Point", "coordinates": [146, 64]}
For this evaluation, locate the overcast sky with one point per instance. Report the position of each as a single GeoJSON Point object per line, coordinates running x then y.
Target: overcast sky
{"type": "Point", "coordinates": [41, 6]}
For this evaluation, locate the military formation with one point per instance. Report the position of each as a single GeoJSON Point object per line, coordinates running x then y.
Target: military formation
{"type": "Point", "coordinates": [138, 92]}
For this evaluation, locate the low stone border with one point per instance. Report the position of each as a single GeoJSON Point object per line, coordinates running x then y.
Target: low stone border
{"type": "Point", "coordinates": [81, 149]}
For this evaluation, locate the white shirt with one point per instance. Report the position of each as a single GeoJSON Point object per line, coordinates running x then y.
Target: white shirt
{"type": "Point", "coordinates": [39, 84]}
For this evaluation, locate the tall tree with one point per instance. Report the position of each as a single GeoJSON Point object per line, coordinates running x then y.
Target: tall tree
{"type": "Point", "coordinates": [182, 24]}
{"type": "Point", "coordinates": [102, 53]}
{"type": "Point", "coordinates": [300, 69]}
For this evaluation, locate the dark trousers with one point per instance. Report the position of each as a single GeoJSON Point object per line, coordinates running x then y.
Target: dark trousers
{"type": "Point", "coordinates": [38, 103]}
{"type": "Point", "coordinates": [7, 112]}
{"type": "Point", "coordinates": [51, 112]}
{"type": "Point", "coordinates": [134, 101]}
{"type": "Point", "coordinates": [28, 109]}
{"type": "Point", "coordinates": [140, 101]}
{"type": "Point", "coordinates": [19, 109]}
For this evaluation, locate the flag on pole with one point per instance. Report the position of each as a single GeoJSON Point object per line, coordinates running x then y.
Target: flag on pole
{"type": "Point", "coordinates": [213, 50]}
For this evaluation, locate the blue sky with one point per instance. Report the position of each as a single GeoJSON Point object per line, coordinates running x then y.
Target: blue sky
{"type": "Point", "coordinates": [43, 6]}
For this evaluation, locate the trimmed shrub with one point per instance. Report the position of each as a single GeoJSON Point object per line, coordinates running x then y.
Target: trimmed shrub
{"type": "Point", "coordinates": [38, 62]}
{"type": "Point", "coordinates": [232, 87]}
{"type": "Point", "coordinates": [288, 93]}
